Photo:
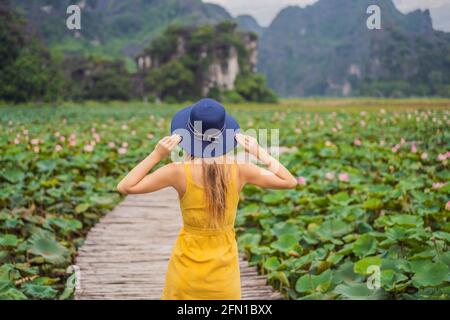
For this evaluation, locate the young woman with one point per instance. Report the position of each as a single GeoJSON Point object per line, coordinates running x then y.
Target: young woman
{"type": "Point", "coordinates": [204, 262]}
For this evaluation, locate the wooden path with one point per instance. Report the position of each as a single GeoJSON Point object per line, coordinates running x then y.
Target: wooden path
{"type": "Point", "coordinates": [125, 255]}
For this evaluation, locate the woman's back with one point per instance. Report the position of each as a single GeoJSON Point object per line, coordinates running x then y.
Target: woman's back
{"type": "Point", "coordinates": [193, 203]}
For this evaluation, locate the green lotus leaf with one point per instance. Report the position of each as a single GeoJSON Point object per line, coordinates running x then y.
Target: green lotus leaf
{"type": "Point", "coordinates": [284, 228]}
{"type": "Point", "coordinates": [442, 235]}
{"type": "Point", "coordinates": [12, 294]}
{"type": "Point", "coordinates": [362, 267]}
{"type": "Point", "coordinates": [314, 283]}
{"type": "Point", "coordinates": [8, 240]}
{"type": "Point", "coordinates": [46, 165]}
{"type": "Point", "coordinates": [430, 273]}
{"type": "Point", "coordinates": [274, 198]}
{"type": "Point", "coordinates": [406, 220]}
{"type": "Point", "coordinates": [359, 291]}
{"type": "Point", "coordinates": [272, 263]}
{"type": "Point", "coordinates": [373, 204]}
{"type": "Point", "coordinates": [286, 242]}
{"type": "Point", "coordinates": [333, 228]}
{"type": "Point", "coordinates": [13, 175]}
{"type": "Point", "coordinates": [49, 249]}
{"type": "Point", "coordinates": [341, 198]}
{"type": "Point", "coordinates": [248, 240]}
{"type": "Point", "coordinates": [64, 224]}
{"type": "Point", "coordinates": [39, 291]}
{"type": "Point", "coordinates": [345, 273]}
{"type": "Point", "coordinates": [82, 207]}
{"type": "Point", "coordinates": [365, 245]}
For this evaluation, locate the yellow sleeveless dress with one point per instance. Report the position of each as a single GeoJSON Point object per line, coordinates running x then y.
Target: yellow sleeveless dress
{"type": "Point", "coordinates": [204, 263]}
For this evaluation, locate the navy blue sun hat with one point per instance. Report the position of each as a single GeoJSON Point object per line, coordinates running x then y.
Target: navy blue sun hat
{"type": "Point", "coordinates": [206, 129]}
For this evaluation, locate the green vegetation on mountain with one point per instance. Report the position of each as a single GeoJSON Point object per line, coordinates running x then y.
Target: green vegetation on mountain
{"type": "Point", "coordinates": [114, 27]}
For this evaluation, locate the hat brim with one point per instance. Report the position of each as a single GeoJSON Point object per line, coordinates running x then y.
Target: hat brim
{"type": "Point", "coordinates": [199, 148]}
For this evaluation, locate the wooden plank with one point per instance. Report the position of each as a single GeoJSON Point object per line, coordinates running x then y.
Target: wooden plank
{"type": "Point", "coordinates": [125, 255]}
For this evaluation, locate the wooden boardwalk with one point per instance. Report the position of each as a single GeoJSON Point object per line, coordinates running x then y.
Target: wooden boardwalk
{"type": "Point", "coordinates": [125, 255]}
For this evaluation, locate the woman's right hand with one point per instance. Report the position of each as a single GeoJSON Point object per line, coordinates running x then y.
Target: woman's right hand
{"type": "Point", "coordinates": [165, 146]}
{"type": "Point", "coordinates": [250, 144]}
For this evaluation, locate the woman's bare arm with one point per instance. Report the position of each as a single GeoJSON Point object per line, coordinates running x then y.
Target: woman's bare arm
{"type": "Point", "coordinates": [137, 180]}
{"type": "Point", "coordinates": [276, 176]}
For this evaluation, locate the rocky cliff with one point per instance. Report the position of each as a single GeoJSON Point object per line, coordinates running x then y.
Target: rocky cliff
{"type": "Point", "coordinates": [206, 61]}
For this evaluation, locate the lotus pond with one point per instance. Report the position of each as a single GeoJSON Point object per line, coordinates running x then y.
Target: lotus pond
{"type": "Point", "coordinates": [373, 194]}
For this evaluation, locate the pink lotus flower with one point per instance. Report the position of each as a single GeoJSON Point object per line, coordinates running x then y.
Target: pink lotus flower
{"type": "Point", "coordinates": [73, 136]}
{"type": "Point", "coordinates": [34, 142]}
{"type": "Point", "coordinates": [57, 134]}
{"type": "Point", "coordinates": [394, 149]}
{"type": "Point", "coordinates": [301, 181]}
{"type": "Point", "coordinates": [58, 148]}
{"type": "Point", "coordinates": [382, 142]}
{"type": "Point", "coordinates": [96, 137]}
{"type": "Point", "coordinates": [73, 143]}
{"type": "Point", "coordinates": [329, 175]}
{"type": "Point", "coordinates": [362, 123]}
{"type": "Point", "coordinates": [150, 136]}
{"type": "Point", "coordinates": [111, 144]}
{"type": "Point", "coordinates": [438, 185]}
{"type": "Point", "coordinates": [16, 141]}
{"type": "Point", "coordinates": [125, 145]}
{"type": "Point", "coordinates": [36, 149]}
{"type": "Point", "coordinates": [442, 157]}
{"type": "Point", "coordinates": [357, 142]}
{"type": "Point", "coordinates": [344, 177]}
{"type": "Point", "coordinates": [413, 148]}
{"type": "Point", "coordinates": [122, 150]}
{"type": "Point", "coordinates": [62, 138]}
{"type": "Point", "coordinates": [424, 156]}
{"type": "Point", "coordinates": [447, 206]}
{"type": "Point", "coordinates": [88, 148]}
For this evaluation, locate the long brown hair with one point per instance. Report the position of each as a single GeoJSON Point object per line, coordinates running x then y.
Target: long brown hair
{"type": "Point", "coordinates": [215, 186]}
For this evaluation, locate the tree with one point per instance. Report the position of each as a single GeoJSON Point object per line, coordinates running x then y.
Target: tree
{"type": "Point", "coordinates": [27, 70]}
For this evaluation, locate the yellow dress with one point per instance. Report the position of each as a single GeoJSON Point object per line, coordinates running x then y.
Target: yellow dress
{"type": "Point", "coordinates": [204, 263]}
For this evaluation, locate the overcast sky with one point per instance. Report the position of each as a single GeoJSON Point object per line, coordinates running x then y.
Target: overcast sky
{"type": "Point", "coordinates": [265, 10]}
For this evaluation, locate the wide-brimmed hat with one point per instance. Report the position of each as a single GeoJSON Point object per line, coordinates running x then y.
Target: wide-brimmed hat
{"type": "Point", "coordinates": [206, 129]}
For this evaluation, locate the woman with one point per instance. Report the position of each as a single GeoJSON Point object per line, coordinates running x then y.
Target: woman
{"type": "Point", "coordinates": [204, 262]}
